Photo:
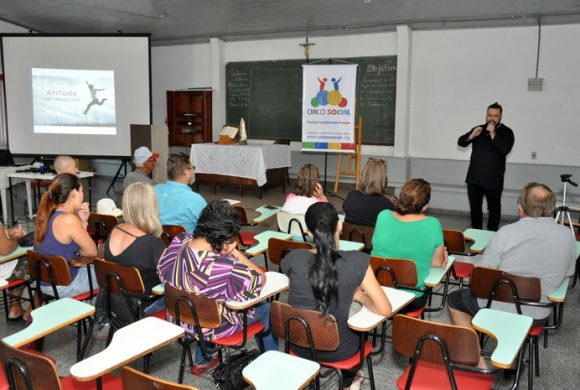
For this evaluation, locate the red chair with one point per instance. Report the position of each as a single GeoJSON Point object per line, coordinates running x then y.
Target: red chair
{"type": "Point", "coordinates": [358, 233]}
{"type": "Point", "coordinates": [54, 270]}
{"type": "Point", "coordinates": [399, 274]}
{"type": "Point", "coordinates": [457, 244]}
{"type": "Point", "coordinates": [309, 328]}
{"type": "Point", "coordinates": [442, 356]}
{"type": "Point", "coordinates": [278, 249]}
{"type": "Point", "coordinates": [494, 284]}
{"type": "Point", "coordinates": [246, 238]}
{"type": "Point", "coordinates": [6, 295]}
{"type": "Point", "coordinates": [201, 312]}
{"type": "Point", "coordinates": [100, 226]}
{"type": "Point", "coordinates": [25, 370]}
{"type": "Point", "coordinates": [123, 284]}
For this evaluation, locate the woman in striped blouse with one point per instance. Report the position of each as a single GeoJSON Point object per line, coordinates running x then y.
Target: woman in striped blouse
{"type": "Point", "coordinates": [208, 263]}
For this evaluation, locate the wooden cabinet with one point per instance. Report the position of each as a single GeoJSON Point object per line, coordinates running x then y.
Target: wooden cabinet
{"type": "Point", "coordinates": [189, 117]}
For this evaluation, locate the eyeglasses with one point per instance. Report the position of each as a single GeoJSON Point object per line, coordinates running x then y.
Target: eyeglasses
{"type": "Point", "coordinates": [151, 160]}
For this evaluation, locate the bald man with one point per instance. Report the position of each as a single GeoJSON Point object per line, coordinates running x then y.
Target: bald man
{"type": "Point", "coordinates": [534, 246]}
{"type": "Point", "coordinates": [65, 164]}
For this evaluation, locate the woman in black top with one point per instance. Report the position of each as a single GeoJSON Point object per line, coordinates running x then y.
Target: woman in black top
{"type": "Point", "coordinates": [329, 280]}
{"type": "Point", "coordinates": [364, 204]}
{"type": "Point", "coordinates": [136, 242]}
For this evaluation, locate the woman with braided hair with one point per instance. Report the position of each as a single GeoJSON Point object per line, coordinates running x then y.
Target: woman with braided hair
{"type": "Point", "coordinates": [329, 280]}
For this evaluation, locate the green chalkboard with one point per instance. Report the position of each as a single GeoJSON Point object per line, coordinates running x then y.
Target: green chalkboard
{"type": "Point", "coordinates": [268, 95]}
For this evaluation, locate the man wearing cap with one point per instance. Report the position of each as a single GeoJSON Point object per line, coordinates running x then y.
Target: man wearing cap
{"type": "Point", "coordinates": [144, 161]}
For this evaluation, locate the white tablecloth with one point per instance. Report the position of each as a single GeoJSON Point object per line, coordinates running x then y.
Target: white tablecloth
{"type": "Point", "coordinates": [248, 161]}
{"type": "Point", "coordinates": [4, 171]}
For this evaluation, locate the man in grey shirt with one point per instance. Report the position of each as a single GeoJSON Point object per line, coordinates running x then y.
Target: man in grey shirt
{"type": "Point", "coordinates": [535, 246]}
{"type": "Point", "coordinates": [144, 161]}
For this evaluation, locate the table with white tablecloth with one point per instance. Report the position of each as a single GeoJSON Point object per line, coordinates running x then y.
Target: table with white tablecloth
{"type": "Point", "coordinates": [258, 165]}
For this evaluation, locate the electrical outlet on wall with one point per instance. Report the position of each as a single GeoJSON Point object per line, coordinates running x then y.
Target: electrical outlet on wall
{"type": "Point", "coordinates": [534, 155]}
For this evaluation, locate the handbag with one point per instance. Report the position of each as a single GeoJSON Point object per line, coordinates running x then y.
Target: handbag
{"type": "Point", "coordinates": [237, 363]}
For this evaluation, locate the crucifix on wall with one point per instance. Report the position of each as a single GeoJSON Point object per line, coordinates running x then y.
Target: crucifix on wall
{"type": "Point", "coordinates": [306, 45]}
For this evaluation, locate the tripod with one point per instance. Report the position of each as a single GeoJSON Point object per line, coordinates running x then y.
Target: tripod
{"type": "Point", "coordinates": [563, 213]}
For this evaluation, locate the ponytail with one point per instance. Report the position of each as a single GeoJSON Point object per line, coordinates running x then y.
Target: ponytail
{"type": "Point", "coordinates": [58, 193]}
{"type": "Point", "coordinates": [322, 219]}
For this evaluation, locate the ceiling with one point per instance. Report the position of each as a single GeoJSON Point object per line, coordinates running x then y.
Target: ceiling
{"type": "Point", "coordinates": [184, 21]}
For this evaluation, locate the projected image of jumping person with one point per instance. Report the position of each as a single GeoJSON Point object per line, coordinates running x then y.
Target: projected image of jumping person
{"type": "Point", "coordinates": [94, 100]}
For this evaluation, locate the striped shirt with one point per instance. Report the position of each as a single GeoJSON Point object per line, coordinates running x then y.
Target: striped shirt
{"type": "Point", "coordinates": [217, 276]}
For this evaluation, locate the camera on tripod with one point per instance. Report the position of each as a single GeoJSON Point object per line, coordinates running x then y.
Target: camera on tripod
{"type": "Point", "coordinates": [565, 178]}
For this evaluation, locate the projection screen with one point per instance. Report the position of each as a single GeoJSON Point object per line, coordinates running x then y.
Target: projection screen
{"type": "Point", "coordinates": [75, 95]}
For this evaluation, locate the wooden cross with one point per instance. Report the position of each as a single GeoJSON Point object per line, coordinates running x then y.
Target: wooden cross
{"type": "Point", "coordinates": [306, 45]}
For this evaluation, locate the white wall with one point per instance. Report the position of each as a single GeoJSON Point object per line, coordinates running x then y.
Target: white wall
{"type": "Point", "coordinates": [7, 28]}
{"type": "Point", "coordinates": [457, 73]}
{"type": "Point", "coordinates": [450, 78]}
{"type": "Point", "coordinates": [177, 67]}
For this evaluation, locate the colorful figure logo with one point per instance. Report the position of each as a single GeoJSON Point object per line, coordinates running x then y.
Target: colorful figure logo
{"type": "Point", "coordinates": [324, 97]}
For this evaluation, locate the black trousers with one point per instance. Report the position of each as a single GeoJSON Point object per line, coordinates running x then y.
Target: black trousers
{"type": "Point", "coordinates": [493, 198]}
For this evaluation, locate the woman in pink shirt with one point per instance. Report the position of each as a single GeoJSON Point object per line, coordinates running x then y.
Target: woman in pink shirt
{"type": "Point", "coordinates": [307, 191]}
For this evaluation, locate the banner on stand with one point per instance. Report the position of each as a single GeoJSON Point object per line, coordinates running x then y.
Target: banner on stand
{"type": "Point", "coordinates": [328, 104]}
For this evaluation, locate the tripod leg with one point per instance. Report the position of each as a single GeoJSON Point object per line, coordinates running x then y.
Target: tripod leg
{"type": "Point", "coordinates": [570, 223]}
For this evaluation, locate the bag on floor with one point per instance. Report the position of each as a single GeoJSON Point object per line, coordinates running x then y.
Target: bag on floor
{"type": "Point", "coordinates": [237, 363]}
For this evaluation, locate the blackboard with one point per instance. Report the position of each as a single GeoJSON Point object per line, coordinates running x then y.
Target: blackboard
{"type": "Point", "coordinates": [268, 95]}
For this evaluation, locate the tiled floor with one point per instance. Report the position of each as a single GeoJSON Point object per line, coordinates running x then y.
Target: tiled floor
{"type": "Point", "coordinates": [558, 364]}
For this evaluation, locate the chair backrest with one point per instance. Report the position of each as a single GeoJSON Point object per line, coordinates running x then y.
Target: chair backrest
{"type": "Point", "coordinates": [242, 212]}
{"type": "Point", "coordinates": [43, 268]}
{"type": "Point", "coordinates": [461, 343]}
{"type": "Point", "coordinates": [101, 225]}
{"type": "Point", "coordinates": [294, 324]}
{"type": "Point", "coordinates": [191, 308]}
{"type": "Point", "coordinates": [358, 233]}
{"type": "Point", "coordinates": [278, 249]}
{"type": "Point", "coordinates": [118, 277]}
{"type": "Point", "coordinates": [137, 380]}
{"type": "Point", "coordinates": [404, 271]}
{"type": "Point", "coordinates": [170, 231]}
{"type": "Point", "coordinates": [454, 240]}
{"type": "Point", "coordinates": [293, 224]}
{"type": "Point", "coordinates": [21, 367]}
{"type": "Point", "coordinates": [483, 281]}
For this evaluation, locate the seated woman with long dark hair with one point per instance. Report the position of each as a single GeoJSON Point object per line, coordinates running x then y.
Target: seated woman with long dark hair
{"type": "Point", "coordinates": [61, 230]}
{"type": "Point", "coordinates": [407, 233]}
{"type": "Point", "coordinates": [328, 280]}
{"type": "Point", "coordinates": [208, 263]}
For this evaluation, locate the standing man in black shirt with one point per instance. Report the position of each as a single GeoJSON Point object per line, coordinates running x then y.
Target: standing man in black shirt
{"type": "Point", "coordinates": [492, 142]}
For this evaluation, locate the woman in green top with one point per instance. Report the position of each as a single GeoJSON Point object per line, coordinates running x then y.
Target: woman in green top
{"type": "Point", "coordinates": [407, 233]}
